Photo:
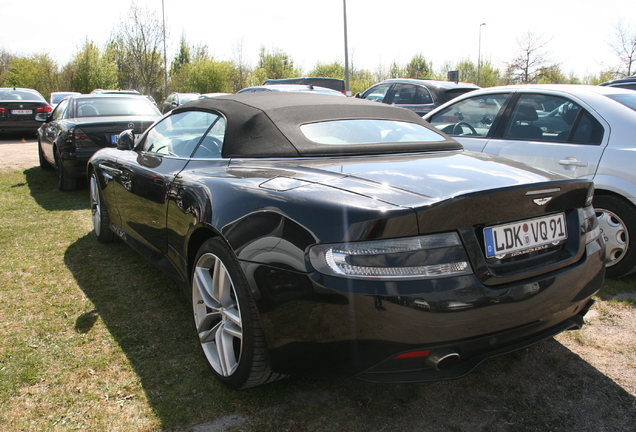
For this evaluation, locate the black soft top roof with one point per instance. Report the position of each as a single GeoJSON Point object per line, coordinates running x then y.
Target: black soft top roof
{"type": "Point", "coordinates": [268, 124]}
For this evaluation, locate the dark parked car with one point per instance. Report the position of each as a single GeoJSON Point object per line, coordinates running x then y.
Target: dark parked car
{"type": "Point", "coordinates": [56, 97]}
{"type": "Point", "coordinates": [175, 99]}
{"type": "Point", "coordinates": [336, 84]}
{"type": "Point", "coordinates": [18, 108]}
{"type": "Point", "coordinates": [628, 83]}
{"type": "Point", "coordinates": [579, 131]}
{"type": "Point", "coordinates": [417, 95]}
{"type": "Point", "coordinates": [291, 88]}
{"type": "Point", "coordinates": [331, 236]}
{"type": "Point", "coordinates": [81, 125]}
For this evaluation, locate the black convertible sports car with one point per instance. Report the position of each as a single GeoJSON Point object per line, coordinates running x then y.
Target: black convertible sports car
{"type": "Point", "coordinates": [338, 237]}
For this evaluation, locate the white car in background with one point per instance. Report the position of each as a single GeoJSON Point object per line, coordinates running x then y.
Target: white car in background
{"type": "Point", "coordinates": [576, 130]}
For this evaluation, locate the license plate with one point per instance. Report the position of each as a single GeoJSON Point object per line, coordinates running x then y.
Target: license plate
{"type": "Point", "coordinates": [21, 112]}
{"type": "Point", "coordinates": [525, 236]}
{"type": "Point", "coordinates": [113, 139]}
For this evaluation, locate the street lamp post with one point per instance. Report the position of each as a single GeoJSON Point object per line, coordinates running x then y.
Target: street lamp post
{"type": "Point", "coordinates": [479, 56]}
{"type": "Point", "coordinates": [344, 5]}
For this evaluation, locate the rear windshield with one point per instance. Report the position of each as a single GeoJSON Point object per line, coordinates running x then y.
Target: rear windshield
{"type": "Point", "coordinates": [352, 132]}
{"type": "Point", "coordinates": [629, 100]}
{"type": "Point", "coordinates": [20, 95]}
{"type": "Point", "coordinates": [115, 106]}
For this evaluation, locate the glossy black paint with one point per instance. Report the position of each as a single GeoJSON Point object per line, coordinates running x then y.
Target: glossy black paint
{"type": "Point", "coordinates": [272, 211]}
{"type": "Point", "coordinates": [15, 100]}
{"type": "Point", "coordinates": [55, 128]}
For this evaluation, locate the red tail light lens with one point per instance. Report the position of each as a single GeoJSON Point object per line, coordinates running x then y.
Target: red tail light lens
{"type": "Point", "coordinates": [414, 354]}
{"type": "Point", "coordinates": [79, 139]}
{"type": "Point", "coordinates": [44, 109]}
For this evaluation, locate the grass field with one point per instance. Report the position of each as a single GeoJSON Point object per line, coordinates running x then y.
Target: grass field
{"type": "Point", "coordinates": [94, 338]}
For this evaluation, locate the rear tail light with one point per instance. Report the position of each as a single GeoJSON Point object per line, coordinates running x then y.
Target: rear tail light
{"type": "Point", "coordinates": [3, 111]}
{"type": "Point", "coordinates": [77, 137]}
{"type": "Point", "coordinates": [44, 109]}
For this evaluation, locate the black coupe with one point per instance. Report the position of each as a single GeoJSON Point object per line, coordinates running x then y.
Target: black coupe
{"type": "Point", "coordinates": [339, 237]}
{"type": "Point", "coordinates": [82, 124]}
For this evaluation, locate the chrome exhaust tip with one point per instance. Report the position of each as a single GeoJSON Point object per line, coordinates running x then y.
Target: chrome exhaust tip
{"type": "Point", "coordinates": [442, 359]}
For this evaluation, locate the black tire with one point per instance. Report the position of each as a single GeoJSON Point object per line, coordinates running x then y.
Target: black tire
{"type": "Point", "coordinates": [65, 182]}
{"type": "Point", "coordinates": [226, 320]}
{"type": "Point", "coordinates": [44, 164]}
{"type": "Point", "coordinates": [99, 212]}
{"type": "Point", "coordinates": [617, 221]}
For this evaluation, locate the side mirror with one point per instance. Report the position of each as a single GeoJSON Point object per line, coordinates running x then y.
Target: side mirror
{"type": "Point", "coordinates": [358, 95]}
{"type": "Point", "coordinates": [126, 140]}
{"type": "Point", "coordinates": [42, 117]}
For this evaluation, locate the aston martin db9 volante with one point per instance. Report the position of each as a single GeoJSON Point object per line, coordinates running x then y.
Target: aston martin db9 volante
{"type": "Point", "coordinates": [82, 124]}
{"type": "Point", "coordinates": [339, 237]}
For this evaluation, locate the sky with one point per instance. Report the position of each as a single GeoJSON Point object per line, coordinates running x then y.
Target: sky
{"type": "Point", "coordinates": [378, 33]}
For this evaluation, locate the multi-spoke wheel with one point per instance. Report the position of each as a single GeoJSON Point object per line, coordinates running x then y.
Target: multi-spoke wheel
{"type": "Point", "coordinates": [226, 319]}
{"type": "Point", "coordinates": [101, 220]}
{"type": "Point", "coordinates": [617, 222]}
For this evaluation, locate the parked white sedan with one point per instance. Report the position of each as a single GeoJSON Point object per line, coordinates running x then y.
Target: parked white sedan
{"type": "Point", "coordinates": [576, 130]}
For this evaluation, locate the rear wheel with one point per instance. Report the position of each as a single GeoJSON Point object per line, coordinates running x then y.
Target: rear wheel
{"type": "Point", "coordinates": [101, 219]}
{"type": "Point", "coordinates": [65, 182]}
{"type": "Point", "coordinates": [617, 221]}
{"type": "Point", "coordinates": [226, 320]}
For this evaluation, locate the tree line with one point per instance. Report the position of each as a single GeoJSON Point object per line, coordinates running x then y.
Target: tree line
{"type": "Point", "coordinates": [133, 59]}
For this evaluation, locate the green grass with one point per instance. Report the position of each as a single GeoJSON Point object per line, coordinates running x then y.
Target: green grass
{"type": "Point", "coordinates": [95, 338]}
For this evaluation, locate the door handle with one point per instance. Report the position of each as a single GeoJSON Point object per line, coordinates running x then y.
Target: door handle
{"type": "Point", "coordinates": [572, 162]}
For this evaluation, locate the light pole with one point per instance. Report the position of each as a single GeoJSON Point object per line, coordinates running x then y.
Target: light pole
{"type": "Point", "coordinates": [479, 56]}
{"type": "Point", "coordinates": [344, 5]}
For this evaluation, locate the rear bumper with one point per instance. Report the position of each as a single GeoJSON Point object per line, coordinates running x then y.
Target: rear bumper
{"type": "Point", "coordinates": [20, 126]}
{"type": "Point", "coordinates": [357, 328]}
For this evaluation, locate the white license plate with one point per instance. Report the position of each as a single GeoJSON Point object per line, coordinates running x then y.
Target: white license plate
{"type": "Point", "coordinates": [525, 236]}
{"type": "Point", "coordinates": [21, 112]}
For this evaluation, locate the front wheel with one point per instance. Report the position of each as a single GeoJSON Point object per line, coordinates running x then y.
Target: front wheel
{"type": "Point", "coordinates": [617, 221]}
{"type": "Point", "coordinates": [226, 320]}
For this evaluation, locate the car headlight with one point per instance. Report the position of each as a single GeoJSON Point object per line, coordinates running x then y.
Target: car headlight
{"type": "Point", "coordinates": [590, 225]}
{"type": "Point", "coordinates": [431, 256]}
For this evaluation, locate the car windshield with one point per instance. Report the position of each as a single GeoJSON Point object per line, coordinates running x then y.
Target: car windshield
{"type": "Point", "coordinates": [115, 106]}
{"type": "Point", "coordinates": [628, 100]}
{"type": "Point", "coordinates": [352, 132]}
{"type": "Point", "coordinates": [20, 95]}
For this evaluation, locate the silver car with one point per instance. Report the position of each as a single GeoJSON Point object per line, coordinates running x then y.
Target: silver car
{"type": "Point", "coordinates": [576, 130]}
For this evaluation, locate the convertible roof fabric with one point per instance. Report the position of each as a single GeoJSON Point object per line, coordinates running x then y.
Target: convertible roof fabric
{"type": "Point", "coordinates": [267, 124]}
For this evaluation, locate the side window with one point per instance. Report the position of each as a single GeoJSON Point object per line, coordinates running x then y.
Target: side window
{"type": "Point", "coordinates": [377, 93]}
{"type": "Point", "coordinates": [552, 118]}
{"type": "Point", "coordinates": [178, 135]}
{"type": "Point", "coordinates": [423, 96]}
{"type": "Point", "coordinates": [212, 143]}
{"type": "Point", "coordinates": [470, 117]}
{"type": "Point", "coordinates": [60, 110]}
{"type": "Point", "coordinates": [404, 94]}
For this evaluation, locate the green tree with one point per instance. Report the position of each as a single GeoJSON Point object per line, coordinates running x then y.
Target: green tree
{"type": "Point", "coordinates": [38, 72]}
{"type": "Point", "coordinates": [275, 65]}
{"type": "Point", "coordinates": [5, 62]}
{"type": "Point", "coordinates": [328, 70]}
{"type": "Point", "coordinates": [209, 76]}
{"type": "Point", "coordinates": [91, 70]}
{"type": "Point", "coordinates": [419, 68]}
{"type": "Point", "coordinates": [182, 58]}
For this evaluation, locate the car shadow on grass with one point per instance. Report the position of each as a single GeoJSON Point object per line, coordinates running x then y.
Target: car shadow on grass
{"type": "Point", "coordinates": [43, 188]}
{"type": "Point", "coordinates": [544, 387]}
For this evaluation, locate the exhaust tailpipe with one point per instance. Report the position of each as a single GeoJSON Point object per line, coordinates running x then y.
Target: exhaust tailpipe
{"type": "Point", "coordinates": [442, 359]}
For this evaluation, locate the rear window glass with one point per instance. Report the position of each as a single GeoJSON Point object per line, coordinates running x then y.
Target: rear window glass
{"type": "Point", "coordinates": [104, 106]}
{"type": "Point", "coordinates": [21, 95]}
{"type": "Point", "coordinates": [628, 100]}
{"type": "Point", "coordinates": [352, 132]}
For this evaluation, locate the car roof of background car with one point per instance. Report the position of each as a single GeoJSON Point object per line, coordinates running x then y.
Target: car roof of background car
{"type": "Point", "coordinates": [432, 83]}
{"type": "Point", "coordinates": [267, 124]}
{"type": "Point", "coordinates": [574, 89]}
{"type": "Point", "coordinates": [629, 79]}
{"type": "Point", "coordinates": [294, 88]}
